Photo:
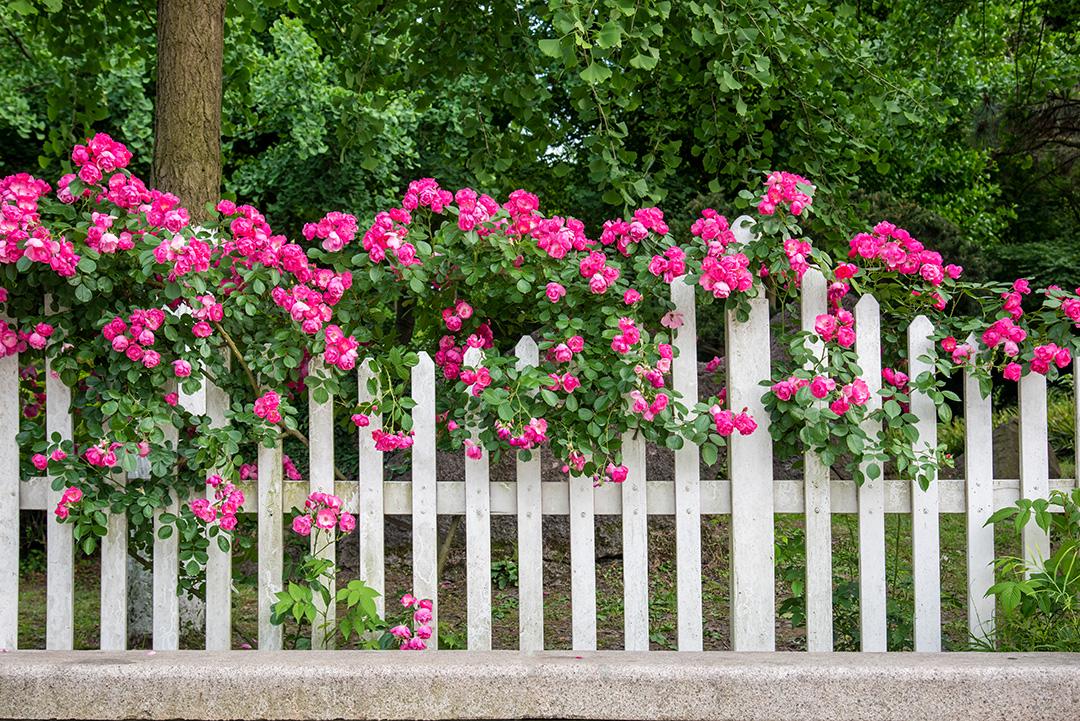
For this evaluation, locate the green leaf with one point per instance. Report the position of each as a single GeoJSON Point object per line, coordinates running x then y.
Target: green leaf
{"type": "Point", "coordinates": [551, 48]}
{"type": "Point", "coordinates": [595, 73]}
{"type": "Point", "coordinates": [610, 35]}
{"type": "Point", "coordinates": [709, 454]}
{"type": "Point", "coordinates": [644, 62]}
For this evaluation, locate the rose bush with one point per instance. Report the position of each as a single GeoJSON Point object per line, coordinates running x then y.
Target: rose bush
{"type": "Point", "coordinates": [133, 304]}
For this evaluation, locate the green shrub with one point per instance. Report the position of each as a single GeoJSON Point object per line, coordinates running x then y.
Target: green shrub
{"type": "Point", "coordinates": [1040, 600]}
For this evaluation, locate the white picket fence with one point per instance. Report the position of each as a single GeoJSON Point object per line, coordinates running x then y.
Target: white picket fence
{"type": "Point", "coordinates": [751, 496]}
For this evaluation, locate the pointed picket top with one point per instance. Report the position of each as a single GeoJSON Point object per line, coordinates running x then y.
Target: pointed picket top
{"type": "Point", "coordinates": [814, 302]}
{"type": "Point", "coordinates": [473, 357]}
{"type": "Point", "coordinates": [742, 227]}
{"type": "Point", "coordinates": [920, 330]}
{"type": "Point", "coordinates": [527, 352]}
{"type": "Point", "coordinates": [868, 345]}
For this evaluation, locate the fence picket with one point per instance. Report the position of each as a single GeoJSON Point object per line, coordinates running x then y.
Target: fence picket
{"type": "Point", "coordinates": [753, 599]}
{"type": "Point", "coordinates": [687, 476]}
{"type": "Point", "coordinates": [530, 533]}
{"type": "Point", "coordinates": [478, 538]}
{"type": "Point", "coordinates": [321, 479]}
{"type": "Point", "coordinates": [271, 544]}
{"type": "Point", "coordinates": [114, 597]}
{"type": "Point", "coordinates": [1034, 461]}
{"type": "Point", "coordinates": [582, 563]}
{"type": "Point", "coordinates": [635, 542]}
{"type": "Point", "coordinates": [819, 586]}
{"type": "Point", "coordinates": [425, 521]}
{"type": "Point", "coordinates": [218, 562]}
{"type": "Point", "coordinates": [59, 543]}
{"type": "Point", "coordinates": [166, 564]}
{"type": "Point", "coordinates": [873, 629]}
{"type": "Point", "coordinates": [925, 505]}
{"type": "Point", "coordinates": [1076, 419]}
{"type": "Point", "coordinates": [979, 473]}
{"type": "Point", "coordinates": [370, 497]}
{"type": "Point", "coordinates": [9, 501]}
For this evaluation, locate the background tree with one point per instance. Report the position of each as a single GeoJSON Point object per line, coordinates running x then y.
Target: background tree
{"type": "Point", "coordinates": [954, 118]}
{"type": "Point", "coordinates": [187, 115]}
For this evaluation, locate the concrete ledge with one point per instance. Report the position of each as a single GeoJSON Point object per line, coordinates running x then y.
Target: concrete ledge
{"type": "Point", "coordinates": [508, 685]}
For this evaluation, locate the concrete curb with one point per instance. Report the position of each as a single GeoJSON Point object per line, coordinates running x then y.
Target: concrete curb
{"type": "Point", "coordinates": [508, 685]}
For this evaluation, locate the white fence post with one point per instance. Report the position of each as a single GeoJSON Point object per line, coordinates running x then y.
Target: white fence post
{"type": "Point", "coordinates": [59, 543]}
{"type": "Point", "coordinates": [635, 542]}
{"type": "Point", "coordinates": [979, 473]}
{"type": "Point", "coordinates": [114, 596]}
{"type": "Point", "coordinates": [219, 562]}
{"type": "Point", "coordinates": [582, 563]}
{"type": "Point", "coordinates": [1034, 463]}
{"type": "Point", "coordinates": [925, 527]}
{"type": "Point", "coordinates": [369, 498]}
{"type": "Point", "coordinates": [270, 543]}
{"type": "Point", "coordinates": [478, 538]}
{"type": "Point", "coordinates": [321, 479]}
{"type": "Point", "coordinates": [530, 532]}
{"type": "Point", "coordinates": [9, 501]}
{"type": "Point", "coordinates": [753, 596]}
{"type": "Point", "coordinates": [687, 476]}
{"type": "Point", "coordinates": [817, 495]}
{"type": "Point", "coordinates": [873, 629]}
{"type": "Point", "coordinates": [166, 563]}
{"type": "Point", "coordinates": [425, 519]}
{"type": "Point", "coordinates": [1076, 419]}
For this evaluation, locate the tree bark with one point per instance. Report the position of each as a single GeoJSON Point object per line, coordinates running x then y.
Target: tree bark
{"type": "Point", "coordinates": [187, 114]}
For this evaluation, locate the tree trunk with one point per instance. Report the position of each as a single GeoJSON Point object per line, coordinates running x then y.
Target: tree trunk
{"type": "Point", "coordinates": [187, 115]}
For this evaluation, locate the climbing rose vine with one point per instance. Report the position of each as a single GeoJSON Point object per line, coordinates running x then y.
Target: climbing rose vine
{"type": "Point", "coordinates": [113, 288]}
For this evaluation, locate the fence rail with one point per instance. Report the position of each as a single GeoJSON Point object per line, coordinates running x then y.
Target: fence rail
{"type": "Point", "coordinates": [750, 496]}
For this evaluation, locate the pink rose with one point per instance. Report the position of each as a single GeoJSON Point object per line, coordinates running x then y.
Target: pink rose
{"type": "Point", "coordinates": [326, 519]}
{"type": "Point", "coordinates": [346, 522]}
{"type": "Point", "coordinates": [301, 525]}
{"type": "Point", "coordinates": [820, 387]}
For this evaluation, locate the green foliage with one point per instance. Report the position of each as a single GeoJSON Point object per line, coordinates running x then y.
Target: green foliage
{"type": "Point", "coordinates": [953, 114]}
{"type": "Point", "coordinates": [1040, 598]}
{"type": "Point", "coordinates": [504, 574]}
